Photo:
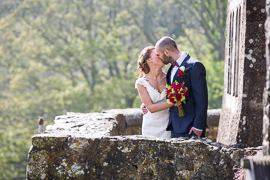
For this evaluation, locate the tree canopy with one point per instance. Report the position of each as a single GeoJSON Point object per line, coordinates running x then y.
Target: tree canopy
{"type": "Point", "coordinates": [59, 56]}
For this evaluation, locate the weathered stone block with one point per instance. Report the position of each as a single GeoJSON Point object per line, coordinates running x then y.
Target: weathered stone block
{"type": "Point", "coordinates": [87, 146]}
{"type": "Point", "coordinates": [131, 157]}
{"type": "Point", "coordinates": [244, 75]}
{"type": "Point", "coordinates": [266, 98]}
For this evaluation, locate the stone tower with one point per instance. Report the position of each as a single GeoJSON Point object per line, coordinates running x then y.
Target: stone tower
{"type": "Point", "coordinates": [244, 74]}
{"type": "Point", "coordinates": [266, 99]}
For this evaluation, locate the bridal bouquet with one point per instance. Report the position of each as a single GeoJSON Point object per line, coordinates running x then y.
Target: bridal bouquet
{"type": "Point", "coordinates": [176, 94]}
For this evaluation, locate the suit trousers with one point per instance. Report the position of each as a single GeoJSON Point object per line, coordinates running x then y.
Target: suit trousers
{"type": "Point", "coordinates": [186, 134]}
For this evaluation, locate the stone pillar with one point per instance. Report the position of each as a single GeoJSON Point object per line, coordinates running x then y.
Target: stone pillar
{"type": "Point", "coordinates": [244, 74]}
{"type": "Point", "coordinates": [266, 99]}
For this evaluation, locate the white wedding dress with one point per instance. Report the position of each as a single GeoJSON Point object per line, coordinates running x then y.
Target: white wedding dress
{"type": "Point", "coordinates": [154, 124]}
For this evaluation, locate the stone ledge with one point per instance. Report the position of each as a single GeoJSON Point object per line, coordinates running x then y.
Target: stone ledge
{"type": "Point", "coordinates": [112, 122]}
{"type": "Point", "coordinates": [83, 125]}
{"type": "Point", "coordinates": [130, 157]}
{"type": "Point", "coordinates": [134, 116]}
{"type": "Point", "coordinates": [88, 146]}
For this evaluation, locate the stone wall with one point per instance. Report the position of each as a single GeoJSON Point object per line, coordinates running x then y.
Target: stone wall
{"type": "Point", "coordinates": [129, 122]}
{"type": "Point", "coordinates": [133, 121]}
{"type": "Point", "coordinates": [266, 122]}
{"type": "Point", "coordinates": [244, 74]}
{"type": "Point", "coordinates": [89, 146]}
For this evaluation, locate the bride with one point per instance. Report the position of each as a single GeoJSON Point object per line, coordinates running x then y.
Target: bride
{"type": "Point", "coordinates": [151, 88]}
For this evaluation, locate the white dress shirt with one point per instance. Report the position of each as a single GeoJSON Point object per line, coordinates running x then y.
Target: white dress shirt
{"type": "Point", "coordinates": [179, 62]}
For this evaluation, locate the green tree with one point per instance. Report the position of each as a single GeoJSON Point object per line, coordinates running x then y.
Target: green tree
{"type": "Point", "coordinates": [60, 56]}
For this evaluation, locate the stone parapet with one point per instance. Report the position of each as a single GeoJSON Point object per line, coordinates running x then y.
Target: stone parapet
{"type": "Point", "coordinates": [114, 122]}
{"type": "Point", "coordinates": [130, 157]}
{"type": "Point", "coordinates": [93, 146]}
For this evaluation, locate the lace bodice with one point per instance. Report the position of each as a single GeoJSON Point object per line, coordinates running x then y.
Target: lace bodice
{"type": "Point", "coordinates": [154, 94]}
{"type": "Point", "coordinates": [154, 124]}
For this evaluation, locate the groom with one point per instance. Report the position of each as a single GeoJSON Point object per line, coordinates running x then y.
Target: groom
{"type": "Point", "coordinates": [194, 122]}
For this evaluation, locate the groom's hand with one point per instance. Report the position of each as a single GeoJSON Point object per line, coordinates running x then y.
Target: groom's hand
{"type": "Point", "coordinates": [143, 108]}
{"type": "Point", "coordinates": [197, 132]}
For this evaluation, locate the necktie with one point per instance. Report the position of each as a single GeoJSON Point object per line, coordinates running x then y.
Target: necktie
{"type": "Point", "coordinates": [175, 64]}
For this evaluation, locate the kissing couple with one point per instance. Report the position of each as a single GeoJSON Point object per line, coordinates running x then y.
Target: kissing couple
{"type": "Point", "coordinates": [161, 116]}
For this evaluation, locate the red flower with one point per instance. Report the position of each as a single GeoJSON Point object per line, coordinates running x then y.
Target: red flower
{"type": "Point", "coordinates": [178, 86]}
{"type": "Point", "coordinates": [178, 97]}
{"type": "Point", "coordinates": [175, 87]}
{"type": "Point", "coordinates": [185, 93]}
{"type": "Point", "coordinates": [172, 100]}
{"type": "Point", "coordinates": [180, 74]}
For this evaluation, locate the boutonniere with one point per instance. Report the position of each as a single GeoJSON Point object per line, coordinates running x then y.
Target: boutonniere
{"type": "Point", "coordinates": [182, 71]}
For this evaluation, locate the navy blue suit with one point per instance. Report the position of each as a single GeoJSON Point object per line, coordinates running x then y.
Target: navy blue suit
{"type": "Point", "coordinates": [196, 101]}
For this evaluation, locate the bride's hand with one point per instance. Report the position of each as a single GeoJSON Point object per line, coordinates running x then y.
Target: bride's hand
{"type": "Point", "coordinates": [146, 79]}
{"type": "Point", "coordinates": [176, 104]}
{"type": "Point", "coordinates": [143, 108]}
{"type": "Point", "coordinates": [172, 105]}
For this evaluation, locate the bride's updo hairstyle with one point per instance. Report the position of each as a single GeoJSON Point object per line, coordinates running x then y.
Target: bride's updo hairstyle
{"type": "Point", "coordinates": [145, 54]}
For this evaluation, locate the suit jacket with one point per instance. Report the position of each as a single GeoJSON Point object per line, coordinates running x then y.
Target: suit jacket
{"type": "Point", "coordinates": [196, 101]}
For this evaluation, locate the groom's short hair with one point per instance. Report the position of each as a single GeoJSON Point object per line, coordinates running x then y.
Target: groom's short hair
{"type": "Point", "coordinates": [166, 43]}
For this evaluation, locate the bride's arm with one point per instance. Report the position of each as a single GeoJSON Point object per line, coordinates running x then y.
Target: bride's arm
{"type": "Point", "coordinates": [148, 102]}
